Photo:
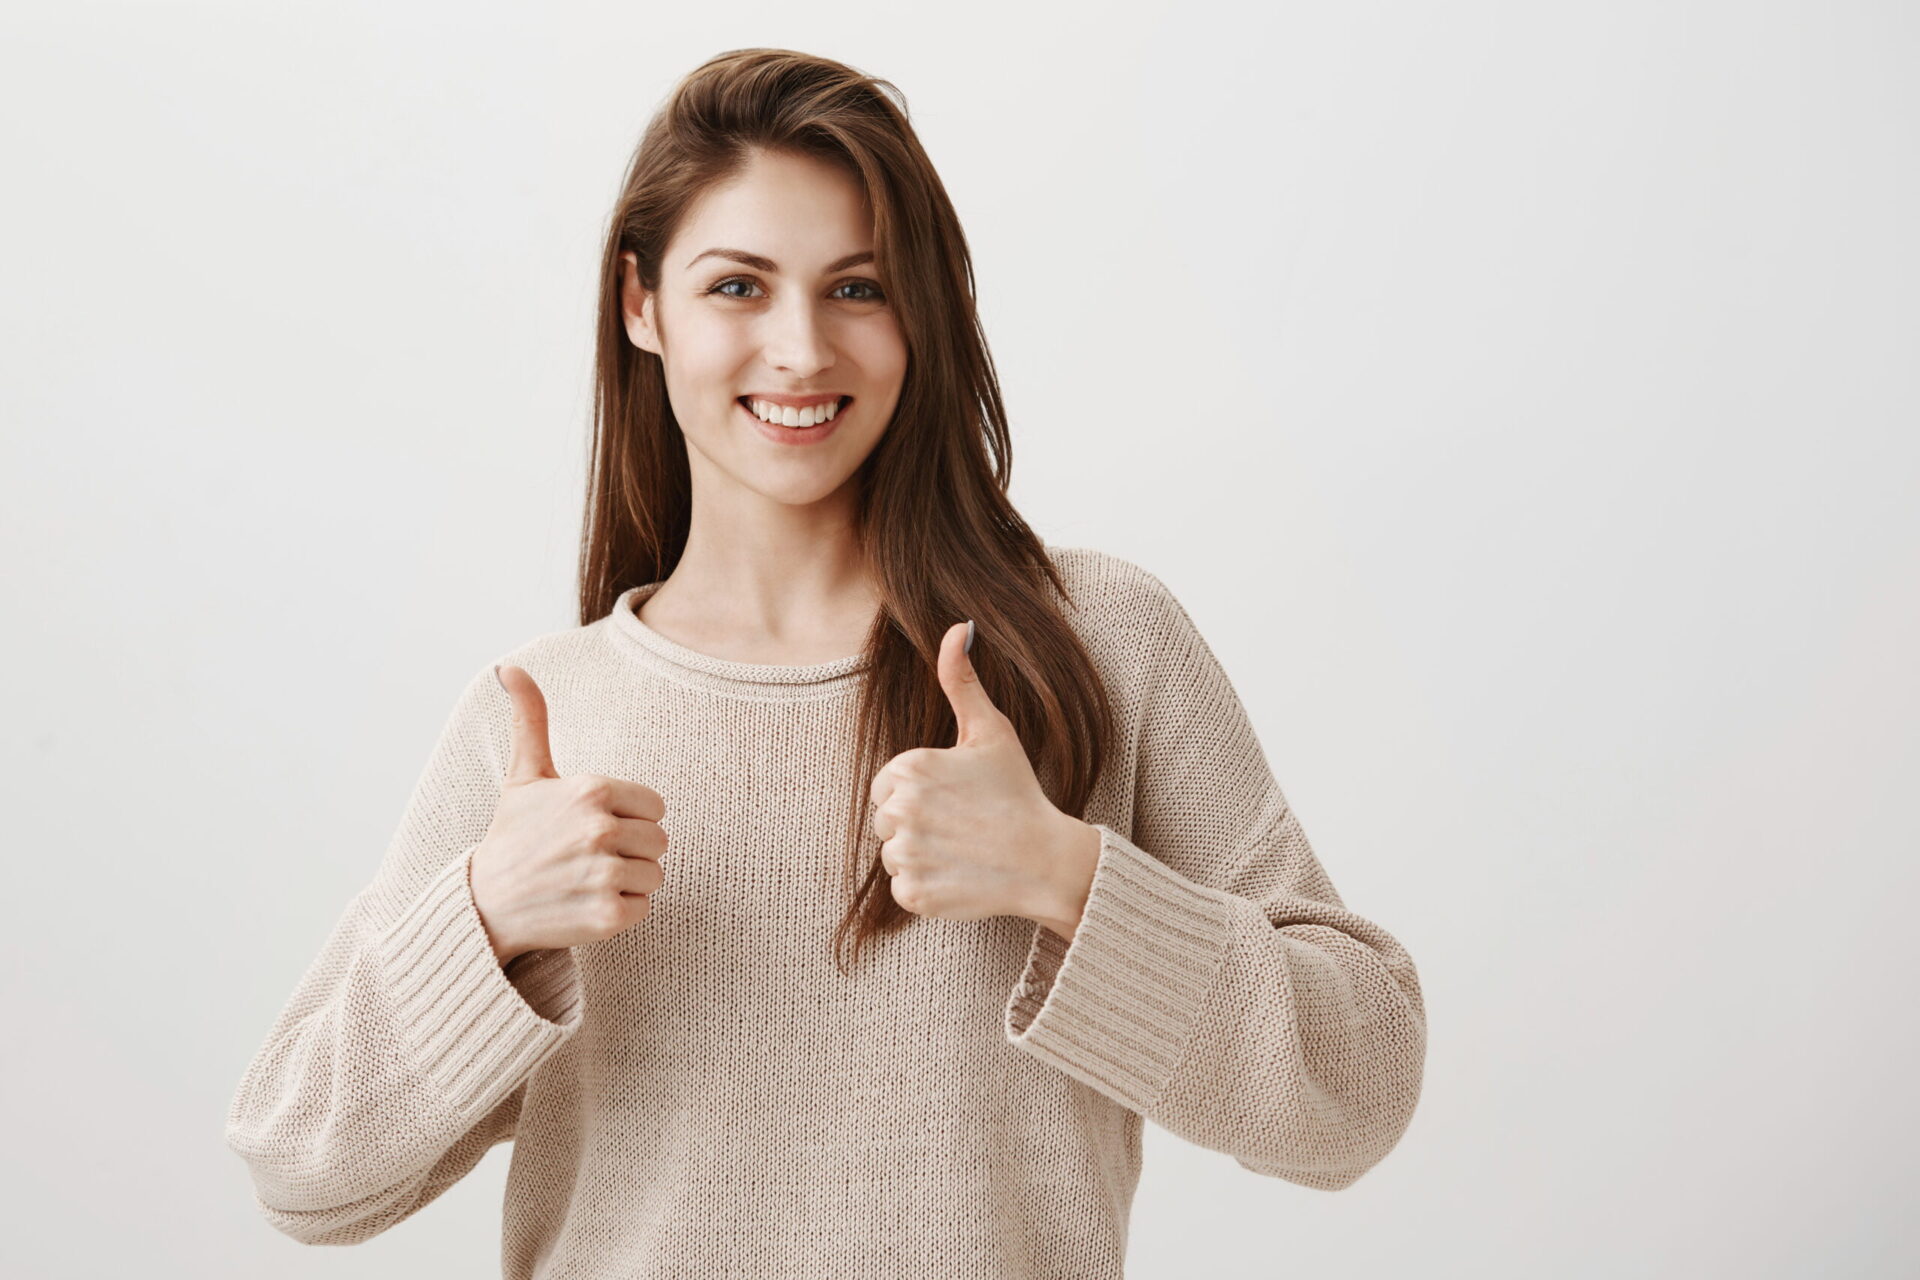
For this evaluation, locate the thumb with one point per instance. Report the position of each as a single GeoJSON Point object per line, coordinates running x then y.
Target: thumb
{"type": "Point", "coordinates": [973, 711]}
{"type": "Point", "coordinates": [532, 757]}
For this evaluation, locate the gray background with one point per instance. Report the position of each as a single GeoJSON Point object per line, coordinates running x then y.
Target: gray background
{"type": "Point", "coordinates": [1521, 398]}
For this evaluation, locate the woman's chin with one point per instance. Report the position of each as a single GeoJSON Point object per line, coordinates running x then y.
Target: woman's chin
{"type": "Point", "coordinates": [790, 477]}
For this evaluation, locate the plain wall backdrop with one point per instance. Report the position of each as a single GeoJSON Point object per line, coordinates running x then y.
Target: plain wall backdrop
{"type": "Point", "coordinates": [1520, 397]}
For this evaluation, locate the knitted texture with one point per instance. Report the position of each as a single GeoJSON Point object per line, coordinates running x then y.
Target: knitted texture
{"type": "Point", "coordinates": [706, 1095]}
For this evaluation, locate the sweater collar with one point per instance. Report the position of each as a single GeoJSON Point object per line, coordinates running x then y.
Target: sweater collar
{"type": "Point", "coordinates": [754, 679]}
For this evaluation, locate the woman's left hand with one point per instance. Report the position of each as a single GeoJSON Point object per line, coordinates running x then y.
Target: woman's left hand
{"type": "Point", "coordinates": [966, 830]}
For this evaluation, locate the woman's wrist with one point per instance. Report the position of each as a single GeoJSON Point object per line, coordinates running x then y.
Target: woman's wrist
{"type": "Point", "coordinates": [1069, 862]}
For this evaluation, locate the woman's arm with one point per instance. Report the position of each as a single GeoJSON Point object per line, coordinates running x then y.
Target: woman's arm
{"type": "Point", "coordinates": [402, 1055]}
{"type": "Point", "coordinates": [1215, 982]}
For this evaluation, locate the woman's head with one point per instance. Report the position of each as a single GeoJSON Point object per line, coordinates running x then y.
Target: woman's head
{"type": "Point", "coordinates": [802, 161]}
{"type": "Point", "coordinates": [805, 163]}
{"type": "Point", "coordinates": [767, 292]}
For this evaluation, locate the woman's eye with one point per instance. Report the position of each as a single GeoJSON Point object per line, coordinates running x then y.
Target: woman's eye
{"type": "Point", "coordinates": [872, 293]}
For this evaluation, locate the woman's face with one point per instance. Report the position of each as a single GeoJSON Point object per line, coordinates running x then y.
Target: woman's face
{"type": "Point", "coordinates": [804, 321]}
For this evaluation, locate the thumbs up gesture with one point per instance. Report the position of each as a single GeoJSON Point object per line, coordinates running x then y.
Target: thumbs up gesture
{"type": "Point", "coordinates": [966, 831]}
{"type": "Point", "coordinates": [565, 860]}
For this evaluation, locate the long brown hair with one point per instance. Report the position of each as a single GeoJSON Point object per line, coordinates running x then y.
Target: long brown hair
{"type": "Point", "coordinates": [942, 543]}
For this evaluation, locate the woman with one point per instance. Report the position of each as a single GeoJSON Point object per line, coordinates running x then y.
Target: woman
{"type": "Point", "coordinates": [839, 897]}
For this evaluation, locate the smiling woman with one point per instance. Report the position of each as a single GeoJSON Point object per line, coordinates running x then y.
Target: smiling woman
{"type": "Point", "coordinates": [842, 894]}
{"type": "Point", "coordinates": [774, 337]}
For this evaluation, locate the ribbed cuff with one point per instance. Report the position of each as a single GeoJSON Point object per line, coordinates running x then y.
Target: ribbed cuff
{"type": "Point", "coordinates": [549, 980]}
{"type": "Point", "coordinates": [1115, 1007]}
{"type": "Point", "coordinates": [462, 1020]}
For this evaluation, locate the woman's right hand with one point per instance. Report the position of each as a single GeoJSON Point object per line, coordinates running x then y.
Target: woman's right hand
{"type": "Point", "coordinates": [565, 860]}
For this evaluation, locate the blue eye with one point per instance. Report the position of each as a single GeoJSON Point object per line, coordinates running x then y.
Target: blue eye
{"type": "Point", "coordinates": [874, 294]}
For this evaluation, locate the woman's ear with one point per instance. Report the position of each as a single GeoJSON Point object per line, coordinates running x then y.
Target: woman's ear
{"type": "Point", "coordinates": [637, 305]}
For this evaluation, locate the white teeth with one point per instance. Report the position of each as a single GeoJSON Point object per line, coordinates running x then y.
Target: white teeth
{"type": "Point", "coordinates": [787, 416]}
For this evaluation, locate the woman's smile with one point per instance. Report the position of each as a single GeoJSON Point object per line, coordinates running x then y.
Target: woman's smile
{"type": "Point", "coordinates": [780, 434]}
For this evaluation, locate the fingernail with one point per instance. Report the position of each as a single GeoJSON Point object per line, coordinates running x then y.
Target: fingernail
{"type": "Point", "coordinates": [496, 676]}
{"type": "Point", "coordinates": [968, 646]}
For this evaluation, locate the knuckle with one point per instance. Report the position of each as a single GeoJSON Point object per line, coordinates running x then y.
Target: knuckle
{"type": "Point", "coordinates": [906, 892]}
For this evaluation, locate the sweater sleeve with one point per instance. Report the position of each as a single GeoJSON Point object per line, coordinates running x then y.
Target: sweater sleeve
{"type": "Point", "coordinates": [1216, 984]}
{"type": "Point", "coordinates": [404, 1052]}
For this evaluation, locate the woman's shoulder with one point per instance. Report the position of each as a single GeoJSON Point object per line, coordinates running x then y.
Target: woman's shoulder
{"type": "Point", "coordinates": [1105, 588]}
{"type": "Point", "coordinates": [574, 654]}
{"type": "Point", "coordinates": [1122, 611]}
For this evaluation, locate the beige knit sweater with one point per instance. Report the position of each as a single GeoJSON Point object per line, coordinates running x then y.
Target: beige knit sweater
{"type": "Point", "coordinates": [705, 1095]}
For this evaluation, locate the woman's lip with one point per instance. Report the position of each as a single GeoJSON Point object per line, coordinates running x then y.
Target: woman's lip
{"type": "Point", "coordinates": [795, 435]}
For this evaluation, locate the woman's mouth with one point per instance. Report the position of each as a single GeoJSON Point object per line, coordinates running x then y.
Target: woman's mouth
{"type": "Point", "coordinates": [778, 432]}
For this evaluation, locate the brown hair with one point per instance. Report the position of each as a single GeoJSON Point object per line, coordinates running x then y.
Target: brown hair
{"type": "Point", "coordinates": [941, 541]}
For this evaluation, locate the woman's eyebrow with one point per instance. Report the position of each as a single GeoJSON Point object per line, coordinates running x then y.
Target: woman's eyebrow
{"type": "Point", "coordinates": [759, 263]}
